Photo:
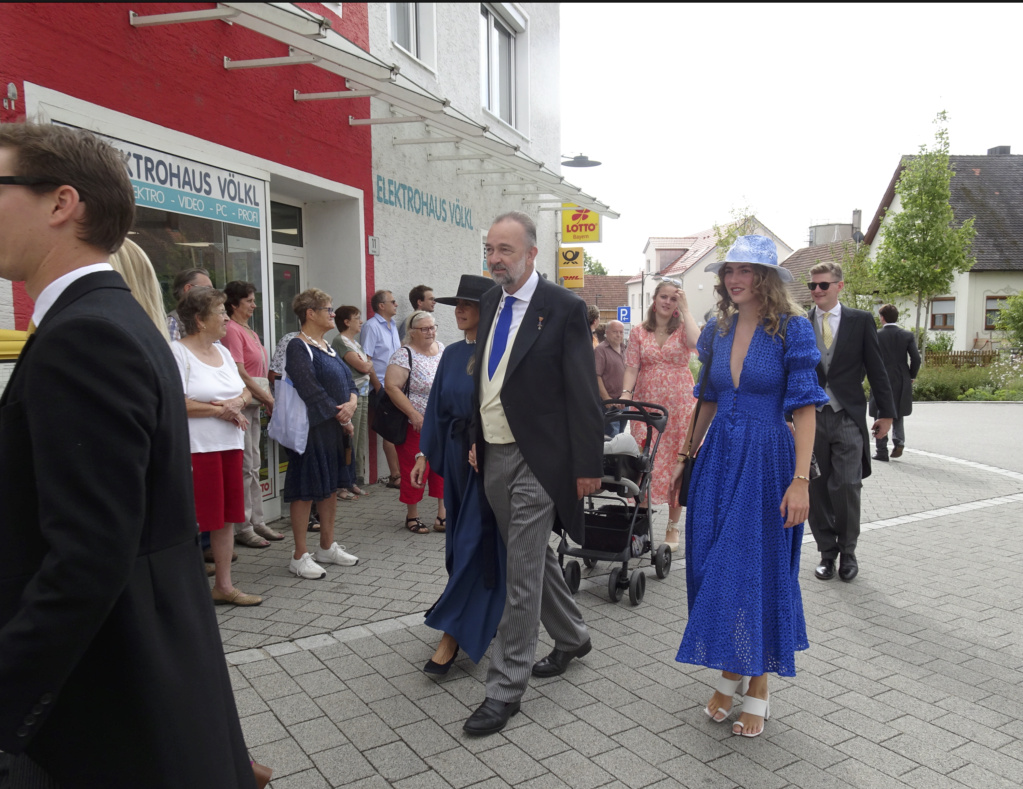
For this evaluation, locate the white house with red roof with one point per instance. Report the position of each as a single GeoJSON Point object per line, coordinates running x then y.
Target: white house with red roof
{"type": "Point", "coordinates": [683, 258]}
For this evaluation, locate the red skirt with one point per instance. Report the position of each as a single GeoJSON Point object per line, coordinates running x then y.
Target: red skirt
{"type": "Point", "coordinates": [406, 462]}
{"type": "Point", "coordinates": [219, 490]}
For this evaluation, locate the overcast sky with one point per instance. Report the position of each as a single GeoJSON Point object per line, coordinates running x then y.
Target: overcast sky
{"type": "Point", "coordinates": [800, 112]}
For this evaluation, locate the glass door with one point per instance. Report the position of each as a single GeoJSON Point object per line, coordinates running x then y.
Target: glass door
{"type": "Point", "coordinates": [286, 287]}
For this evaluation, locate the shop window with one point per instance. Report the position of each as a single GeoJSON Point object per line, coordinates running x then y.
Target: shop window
{"type": "Point", "coordinates": [943, 314]}
{"type": "Point", "coordinates": [286, 224]}
{"type": "Point", "coordinates": [992, 308]}
{"type": "Point", "coordinates": [502, 61]}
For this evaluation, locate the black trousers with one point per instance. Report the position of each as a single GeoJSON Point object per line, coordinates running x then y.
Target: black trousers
{"type": "Point", "coordinates": [835, 494]}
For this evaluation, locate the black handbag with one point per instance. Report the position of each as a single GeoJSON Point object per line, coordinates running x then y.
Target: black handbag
{"type": "Point", "coordinates": [389, 421]}
{"type": "Point", "coordinates": [690, 456]}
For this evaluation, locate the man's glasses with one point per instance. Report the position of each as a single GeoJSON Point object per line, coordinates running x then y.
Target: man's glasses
{"type": "Point", "coordinates": [26, 180]}
{"type": "Point", "coordinates": [821, 285]}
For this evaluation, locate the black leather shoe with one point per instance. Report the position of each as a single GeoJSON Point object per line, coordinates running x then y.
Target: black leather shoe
{"type": "Point", "coordinates": [557, 661]}
{"type": "Point", "coordinates": [440, 669]}
{"type": "Point", "coordinates": [490, 717]}
{"type": "Point", "coordinates": [825, 570]}
{"type": "Point", "coordinates": [882, 457]}
{"type": "Point", "coordinates": [848, 568]}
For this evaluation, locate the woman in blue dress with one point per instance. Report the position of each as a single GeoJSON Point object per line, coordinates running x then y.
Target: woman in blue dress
{"type": "Point", "coordinates": [749, 493]}
{"type": "Point", "coordinates": [470, 608]}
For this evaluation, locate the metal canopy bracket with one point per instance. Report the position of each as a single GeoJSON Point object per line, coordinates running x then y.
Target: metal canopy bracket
{"type": "Point", "coordinates": [456, 157]}
{"type": "Point", "coordinates": [337, 94]}
{"type": "Point", "coordinates": [287, 60]}
{"type": "Point", "coordinates": [353, 121]}
{"type": "Point", "coordinates": [204, 15]}
{"type": "Point", "coordinates": [425, 140]}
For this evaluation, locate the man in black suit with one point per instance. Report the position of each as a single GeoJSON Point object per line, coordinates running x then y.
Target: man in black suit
{"type": "Point", "coordinates": [539, 443]}
{"type": "Point", "coordinates": [847, 340]}
{"type": "Point", "coordinates": [896, 346]}
{"type": "Point", "coordinates": [112, 674]}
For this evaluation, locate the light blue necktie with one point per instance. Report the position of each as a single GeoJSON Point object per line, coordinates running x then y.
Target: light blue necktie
{"type": "Point", "coordinates": [500, 336]}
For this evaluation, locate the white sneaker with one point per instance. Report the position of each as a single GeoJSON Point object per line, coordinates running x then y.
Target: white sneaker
{"type": "Point", "coordinates": [335, 554]}
{"type": "Point", "coordinates": [307, 568]}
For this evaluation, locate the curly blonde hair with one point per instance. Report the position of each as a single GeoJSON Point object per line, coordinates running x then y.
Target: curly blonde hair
{"type": "Point", "coordinates": [775, 301]}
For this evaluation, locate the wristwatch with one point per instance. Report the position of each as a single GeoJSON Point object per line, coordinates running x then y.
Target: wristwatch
{"type": "Point", "coordinates": [419, 455]}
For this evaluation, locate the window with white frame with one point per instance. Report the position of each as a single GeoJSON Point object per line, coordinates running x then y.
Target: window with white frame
{"type": "Point", "coordinates": [412, 26]}
{"type": "Point", "coordinates": [943, 314]}
{"type": "Point", "coordinates": [502, 62]}
{"type": "Point", "coordinates": [992, 308]}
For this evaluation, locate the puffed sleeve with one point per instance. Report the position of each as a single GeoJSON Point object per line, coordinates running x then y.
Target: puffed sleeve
{"type": "Point", "coordinates": [705, 346]}
{"type": "Point", "coordinates": [299, 367]}
{"type": "Point", "coordinates": [801, 358]}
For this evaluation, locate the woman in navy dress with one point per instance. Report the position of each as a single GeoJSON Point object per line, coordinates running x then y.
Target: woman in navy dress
{"type": "Point", "coordinates": [470, 608]}
{"type": "Point", "coordinates": [328, 391]}
{"type": "Point", "coordinates": [749, 493]}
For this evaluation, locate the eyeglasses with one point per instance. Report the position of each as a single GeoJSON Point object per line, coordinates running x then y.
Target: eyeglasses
{"type": "Point", "coordinates": [821, 285]}
{"type": "Point", "coordinates": [26, 180]}
{"type": "Point", "coordinates": [424, 329]}
{"type": "Point", "coordinates": [330, 310]}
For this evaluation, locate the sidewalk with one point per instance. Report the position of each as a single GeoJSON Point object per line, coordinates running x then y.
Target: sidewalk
{"type": "Point", "coordinates": [914, 676]}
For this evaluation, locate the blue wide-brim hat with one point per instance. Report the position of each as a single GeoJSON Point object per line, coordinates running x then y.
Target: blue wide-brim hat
{"type": "Point", "coordinates": [758, 250]}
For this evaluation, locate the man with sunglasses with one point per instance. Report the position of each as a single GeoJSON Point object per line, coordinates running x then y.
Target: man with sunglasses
{"type": "Point", "coordinates": [110, 655]}
{"type": "Point", "coordinates": [847, 340]}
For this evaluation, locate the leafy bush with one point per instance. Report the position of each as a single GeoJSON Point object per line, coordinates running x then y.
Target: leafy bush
{"type": "Point", "coordinates": [949, 383]}
{"type": "Point", "coordinates": [942, 342]}
{"type": "Point", "coordinates": [1010, 318]}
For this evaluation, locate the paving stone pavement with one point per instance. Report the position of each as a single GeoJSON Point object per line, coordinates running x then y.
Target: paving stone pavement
{"type": "Point", "coordinates": [914, 676]}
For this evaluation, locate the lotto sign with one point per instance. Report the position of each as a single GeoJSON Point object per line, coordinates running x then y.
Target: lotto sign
{"type": "Point", "coordinates": [579, 225]}
{"type": "Point", "coordinates": [570, 266]}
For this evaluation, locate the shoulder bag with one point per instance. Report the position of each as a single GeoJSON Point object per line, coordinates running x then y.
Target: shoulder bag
{"type": "Point", "coordinates": [389, 421]}
{"type": "Point", "coordinates": [289, 422]}
{"type": "Point", "coordinates": [690, 457]}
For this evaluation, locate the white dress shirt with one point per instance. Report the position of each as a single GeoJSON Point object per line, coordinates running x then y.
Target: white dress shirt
{"type": "Point", "coordinates": [834, 317]}
{"type": "Point", "coordinates": [52, 291]}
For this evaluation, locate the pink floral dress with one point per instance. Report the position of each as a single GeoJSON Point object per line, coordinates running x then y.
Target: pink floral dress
{"type": "Point", "coordinates": [664, 379]}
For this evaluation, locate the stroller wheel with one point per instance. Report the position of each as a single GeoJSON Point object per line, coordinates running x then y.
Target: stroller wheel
{"type": "Point", "coordinates": [637, 587]}
{"type": "Point", "coordinates": [616, 583]}
{"type": "Point", "coordinates": [572, 576]}
{"type": "Point", "coordinates": [662, 561]}
{"type": "Point", "coordinates": [590, 563]}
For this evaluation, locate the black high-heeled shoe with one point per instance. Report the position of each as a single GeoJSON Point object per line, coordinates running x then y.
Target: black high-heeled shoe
{"type": "Point", "coordinates": [440, 669]}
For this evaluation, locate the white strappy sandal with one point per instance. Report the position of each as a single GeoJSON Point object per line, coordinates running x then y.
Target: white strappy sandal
{"type": "Point", "coordinates": [726, 687]}
{"type": "Point", "coordinates": [753, 706]}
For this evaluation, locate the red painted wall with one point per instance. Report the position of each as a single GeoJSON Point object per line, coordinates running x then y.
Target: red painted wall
{"type": "Point", "coordinates": [174, 76]}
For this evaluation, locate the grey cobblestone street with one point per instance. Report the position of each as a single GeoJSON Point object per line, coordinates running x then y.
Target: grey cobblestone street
{"type": "Point", "coordinates": [914, 676]}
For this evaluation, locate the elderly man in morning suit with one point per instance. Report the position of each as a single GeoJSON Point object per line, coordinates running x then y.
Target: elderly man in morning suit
{"type": "Point", "coordinates": [112, 674]}
{"type": "Point", "coordinates": [538, 446]}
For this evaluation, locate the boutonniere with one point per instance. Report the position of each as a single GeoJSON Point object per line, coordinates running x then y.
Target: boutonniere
{"type": "Point", "coordinates": [539, 324]}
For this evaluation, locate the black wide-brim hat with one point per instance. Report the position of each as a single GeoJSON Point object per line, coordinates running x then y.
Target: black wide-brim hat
{"type": "Point", "coordinates": [470, 288]}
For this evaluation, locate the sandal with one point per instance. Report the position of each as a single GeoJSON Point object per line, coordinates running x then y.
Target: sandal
{"type": "Point", "coordinates": [346, 495]}
{"type": "Point", "coordinates": [250, 539]}
{"type": "Point", "coordinates": [358, 491]}
{"type": "Point", "coordinates": [416, 526]}
{"type": "Point", "coordinates": [440, 524]}
{"type": "Point", "coordinates": [394, 482]}
{"type": "Point", "coordinates": [726, 687]}
{"type": "Point", "coordinates": [672, 543]}
{"type": "Point", "coordinates": [267, 533]}
{"type": "Point", "coordinates": [753, 706]}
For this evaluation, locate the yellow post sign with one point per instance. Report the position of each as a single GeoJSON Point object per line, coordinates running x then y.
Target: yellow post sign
{"type": "Point", "coordinates": [579, 225]}
{"type": "Point", "coordinates": [570, 267]}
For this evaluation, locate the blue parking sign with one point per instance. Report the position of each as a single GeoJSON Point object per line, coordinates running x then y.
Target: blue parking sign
{"type": "Point", "coordinates": [625, 314]}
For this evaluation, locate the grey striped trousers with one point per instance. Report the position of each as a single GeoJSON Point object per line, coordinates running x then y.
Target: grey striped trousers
{"type": "Point", "coordinates": [536, 588]}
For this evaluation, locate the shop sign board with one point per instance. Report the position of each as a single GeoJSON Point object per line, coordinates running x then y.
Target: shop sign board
{"type": "Point", "coordinates": [570, 266]}
{"type": "Point", "coordinates": [579, 225]}
{"type": "Point", "coordinates": [183, 186]}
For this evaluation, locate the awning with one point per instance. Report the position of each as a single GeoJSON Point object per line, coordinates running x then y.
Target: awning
{"type": "Point", "coordinates": [488, 157]}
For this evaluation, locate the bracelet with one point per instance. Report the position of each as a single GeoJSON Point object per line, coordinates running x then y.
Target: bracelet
{"type": "Point", "coordinates": [628, 391]}
{"type": "Point", "coordinates": [419, 455]}
{"type": "Point", "coordinates": [800, 476]}
{"type": "Point", "coordinates": [683, 457]}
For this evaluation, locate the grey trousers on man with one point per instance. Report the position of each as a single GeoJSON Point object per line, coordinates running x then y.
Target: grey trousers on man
{"type": "Point", "coordinates": [898, 435]}
{"type": "Point", "coordinates": [835, 494]}
{"type": "Point", "coordinates": [536, 588]}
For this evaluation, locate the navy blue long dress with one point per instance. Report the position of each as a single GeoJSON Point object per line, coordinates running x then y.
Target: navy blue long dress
{"type": "Point", "coordinates": [742, 565]}
{"type": "Point", "coordinates": [471, 605]}
{"type": "Point", "coordinates": [323, 383]}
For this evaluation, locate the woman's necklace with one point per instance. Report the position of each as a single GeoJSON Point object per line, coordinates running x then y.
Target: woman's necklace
{"type": "Point", "coordinates": [316, 343]}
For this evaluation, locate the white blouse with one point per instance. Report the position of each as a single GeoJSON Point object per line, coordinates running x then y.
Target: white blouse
{"type": "Point", "coordinates": [205, 384]}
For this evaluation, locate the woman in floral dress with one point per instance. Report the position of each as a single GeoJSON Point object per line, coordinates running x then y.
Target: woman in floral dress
{"type": "Point", "coordinates": [657, 371]}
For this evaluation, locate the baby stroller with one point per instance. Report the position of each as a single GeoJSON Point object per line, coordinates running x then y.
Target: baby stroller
{"type": "Point", "coordinates": [616, 524]}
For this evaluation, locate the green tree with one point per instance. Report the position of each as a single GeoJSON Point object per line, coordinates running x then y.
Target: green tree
{"type": "Point", "coordinates": [593, 266]}
{"type": "Point", "coordinates": [921, 249]}
{"type": "Point", "coordinates": [1010, 319]}
{"type": "Point", "coordinates": [862, 289]}
{"type": "Point", "coordinates": [743, 223]}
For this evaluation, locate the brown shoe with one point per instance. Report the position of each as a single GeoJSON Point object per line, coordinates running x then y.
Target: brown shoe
{"type": "Point", "coordinates": [262, 773]}
{"type": "Point", "coordinates": [897, 451]}
{"type": "Point", "coordinates": [237, 597]}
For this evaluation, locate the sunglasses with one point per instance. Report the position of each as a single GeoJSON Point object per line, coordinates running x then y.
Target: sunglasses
{"type": "Point", "coordinates": [821, 285]}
